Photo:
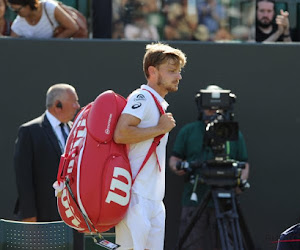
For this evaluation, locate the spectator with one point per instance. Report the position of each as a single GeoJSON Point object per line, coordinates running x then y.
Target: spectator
{"type": "Point", "coordinates": [190, 146]}
{"type": "Point", "coordinates": [4, 24]}
{"type": "Point", "coordinates": [222, 35]}
{"type": "Point", "coordinates": [243, 33]}
{"type": "Point", "coordinates": [181, 23]}
{"type": "Point", "coordinates": [117, 30]}
{"type": "Point", "coordinates": [38, 148]}
{"type": "Point", "coordinates": [144, 224]}
{"type": "Point", "coordinates": [136, 20]}
{"type": "Point", "coordinates": [118, 7]}
{"type": "Point", "coordinates": [35, 19]}
{"type": "Point", "coordinates": [212, 15]}
{"type": "Point", "coordinates": [201, 33]}
{"type": "Point", "coordinates": [150, 6]}
{"type": "Point", "coordinates": [269, 28]}
{"type": "Point", "coordinates": [139, 29]}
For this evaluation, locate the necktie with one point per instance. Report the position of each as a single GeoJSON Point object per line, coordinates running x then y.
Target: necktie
{"type": "Point", "coordinates": [63, 131]}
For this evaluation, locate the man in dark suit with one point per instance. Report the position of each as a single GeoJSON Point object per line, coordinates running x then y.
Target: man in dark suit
{"type": "Point", "coordinates": [38, 148]}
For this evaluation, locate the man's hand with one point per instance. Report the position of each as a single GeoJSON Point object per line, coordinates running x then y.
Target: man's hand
{"type": "Point", "coordinates": [172, 163]}
{"type": "Point", "coordinates": [282, 21]}
{"type": "Point", "coordinates": [166, 122]}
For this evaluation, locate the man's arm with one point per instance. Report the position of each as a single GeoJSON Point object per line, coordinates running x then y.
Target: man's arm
{"type": "Point", "coordinates": [128, 132]}
{"type": "Point", "coordinates": [13, 34]}
{"type": "Point", "coordinates": [66, 21]}
{"type": "Point", "coordinates": [283, 20]}
{"type": "Point", "coordinates": [274, 37]}
{"type": "Point", "coordinates": [283, 23]}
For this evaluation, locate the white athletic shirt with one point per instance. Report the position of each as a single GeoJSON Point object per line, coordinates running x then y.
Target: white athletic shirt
{"type": "Point", "coordinates": [43, 29]}
{"type": "Point", "coordinates": [150, 182]}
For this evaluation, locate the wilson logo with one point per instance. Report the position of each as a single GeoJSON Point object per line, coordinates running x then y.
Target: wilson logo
{"type": "Point", "coordinates": [107, 130]}
{"type": "Point", "coordinates": [117, 184]}
{"type": "Point", "coordinates": [81, 134]}
{"type": "Point", "coordinates": [69, 211]}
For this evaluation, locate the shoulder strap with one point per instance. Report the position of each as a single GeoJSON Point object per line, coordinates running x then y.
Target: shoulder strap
{"type": "Point", "coordinates": [49, 19]}
{"type": "Point", "coordinates": [156, 140]}
{"type": "Point", "coordinates": [161, 110]}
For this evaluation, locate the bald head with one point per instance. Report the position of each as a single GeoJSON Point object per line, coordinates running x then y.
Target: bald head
{"type": "Point", "coordinates": [62, 101]}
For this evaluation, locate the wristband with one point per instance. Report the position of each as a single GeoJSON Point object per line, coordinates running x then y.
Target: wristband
{"type": "Point", "coordinates": [285, 36]}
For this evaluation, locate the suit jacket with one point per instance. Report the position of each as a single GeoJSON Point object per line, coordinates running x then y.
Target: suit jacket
{"type": "Point", "coordinates": [36, 160]}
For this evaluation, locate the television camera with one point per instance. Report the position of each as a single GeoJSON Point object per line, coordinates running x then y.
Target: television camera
{"type": "Point", "coordinates": [220, 128]}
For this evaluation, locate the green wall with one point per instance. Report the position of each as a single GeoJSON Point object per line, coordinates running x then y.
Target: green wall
{"type": "Point", "coordinates": [264, 78]}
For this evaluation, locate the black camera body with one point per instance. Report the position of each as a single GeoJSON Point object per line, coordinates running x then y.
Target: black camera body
{"type": "Point", "coordinates": [220, 126]}
{"type": "Point", "coordinates": [218, 173]}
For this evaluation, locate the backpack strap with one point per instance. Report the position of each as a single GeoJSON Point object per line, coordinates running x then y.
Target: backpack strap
{"type": "Point", "coordinates": [156, 140]}
{"type": "Point", "coordinates": [161, 110]}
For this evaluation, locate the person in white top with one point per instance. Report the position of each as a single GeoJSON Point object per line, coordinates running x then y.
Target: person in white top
{"type": "Point", "coordinates": [144, 224]}
{"type": "Point", "coordinates": [41, 19]}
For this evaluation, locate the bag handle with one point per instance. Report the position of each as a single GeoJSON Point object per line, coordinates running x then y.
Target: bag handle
{"type": "Point", "coordinates": [156, 140]}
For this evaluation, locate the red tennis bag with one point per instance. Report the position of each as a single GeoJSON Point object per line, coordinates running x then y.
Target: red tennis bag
{"type": "Point", "coordinates": [96, 191]}
{"type": "Point", "coordinates": [94, 171]}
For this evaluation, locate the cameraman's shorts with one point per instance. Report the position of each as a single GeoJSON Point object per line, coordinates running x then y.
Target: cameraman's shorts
{"type": "Point", "coordinates": [143, 226]}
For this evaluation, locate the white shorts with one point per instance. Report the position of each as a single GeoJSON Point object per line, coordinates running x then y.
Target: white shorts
{"type": "Point", "coordinates": [143, 226]}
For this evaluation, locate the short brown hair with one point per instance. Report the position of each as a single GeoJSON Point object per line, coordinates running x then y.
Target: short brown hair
{"type": "Point", "coordinates": [158, 53]}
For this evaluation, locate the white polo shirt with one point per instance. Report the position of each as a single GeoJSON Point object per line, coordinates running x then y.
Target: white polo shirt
{"type": "Point", "coordinates": [150, 182]}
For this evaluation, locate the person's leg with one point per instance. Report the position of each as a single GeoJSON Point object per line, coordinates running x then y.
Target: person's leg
{"type": "Point", "coordinates": [132, 232]}
{"type": "Point", "coordinates": [123, 236]}
{"type": "Point", "coordinates": [156, 235]}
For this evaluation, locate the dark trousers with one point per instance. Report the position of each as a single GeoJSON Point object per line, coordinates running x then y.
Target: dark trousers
{"type": "Point", "coordinates": [204, 235]}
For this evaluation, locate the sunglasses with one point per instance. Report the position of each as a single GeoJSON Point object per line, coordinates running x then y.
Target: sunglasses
{"type": "Point", "coordinates": [15, 10]}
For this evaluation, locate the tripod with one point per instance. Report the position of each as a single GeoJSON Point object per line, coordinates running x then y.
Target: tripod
{"type": "Point", "coordinates": [228, 220]}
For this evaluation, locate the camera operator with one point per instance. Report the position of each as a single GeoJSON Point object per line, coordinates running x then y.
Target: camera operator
{"type": "Point", "coordinates": [189, 146]}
